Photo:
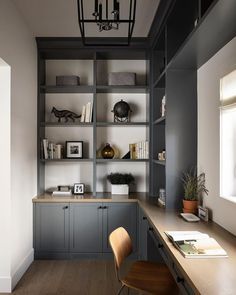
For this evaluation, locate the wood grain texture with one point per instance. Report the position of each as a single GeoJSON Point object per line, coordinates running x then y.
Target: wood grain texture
{"type": "Point", "coordinates": [70, 277]}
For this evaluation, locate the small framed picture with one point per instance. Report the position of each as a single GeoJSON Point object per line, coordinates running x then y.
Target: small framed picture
{"type": "Point", "coordinates": [74, 149]}
{"type": "Point", "coordinates": [78, 189]}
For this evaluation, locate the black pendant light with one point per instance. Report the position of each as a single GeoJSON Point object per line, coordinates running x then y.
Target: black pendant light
{"type": "Point", "coordinates": [106, 16]}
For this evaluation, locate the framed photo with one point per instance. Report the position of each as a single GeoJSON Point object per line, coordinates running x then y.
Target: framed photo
{"type": "Point", "coordinates": [74, 149]}
{"type": "Point", "coordinates": [78, 189]}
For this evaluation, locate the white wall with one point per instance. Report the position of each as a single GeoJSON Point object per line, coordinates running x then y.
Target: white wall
{"type": "Point", "coordinates": [18, 49]}
{"type": "Point", "coordinates": [209, 75]}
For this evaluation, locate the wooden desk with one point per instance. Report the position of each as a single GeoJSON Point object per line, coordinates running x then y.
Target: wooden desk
{"type": "Point", "coordinates": [205, 276]}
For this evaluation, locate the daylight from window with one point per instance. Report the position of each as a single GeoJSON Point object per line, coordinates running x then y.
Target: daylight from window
{"type": "Point", "coordinates": [228, 136]}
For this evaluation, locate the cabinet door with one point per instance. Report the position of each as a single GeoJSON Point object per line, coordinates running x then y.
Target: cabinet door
{"type": "Point", "coordinates": [116, 215]}
{"type": "Point", "coordinates": [52, 227]}
{"type": "Point", "coordinates": [142, 235]}
{"type": "Point", "coordinates": [86, 228]}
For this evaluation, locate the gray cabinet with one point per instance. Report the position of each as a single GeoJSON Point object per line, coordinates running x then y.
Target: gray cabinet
{"type": "Point", "coordinates": [86, 227]}
{"type": "Point", "coordinates": [52, 227]}
{"type": "Point", "coordinates": [116, 215]}
{"type": "Point", "coordinates": [142, 237]}
{"type": "Point", "coordinates": [61, 229]}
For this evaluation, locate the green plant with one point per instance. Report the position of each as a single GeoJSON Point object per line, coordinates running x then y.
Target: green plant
{"type": "Point", "coordinates": [194, 185]}
{"type": "Point", "coordinates": [119, 178]}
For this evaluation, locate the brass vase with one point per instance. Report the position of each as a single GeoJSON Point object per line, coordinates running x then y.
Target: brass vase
{"type": "Point", "coordinates": [107, 152]}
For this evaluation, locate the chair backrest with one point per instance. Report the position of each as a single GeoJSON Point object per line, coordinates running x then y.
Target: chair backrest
{"type": "Point", "coordinates": [121, 245]}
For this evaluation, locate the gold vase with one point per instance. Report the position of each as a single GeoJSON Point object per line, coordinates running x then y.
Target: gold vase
{"type": "Point", "coordinates": [107, 152]}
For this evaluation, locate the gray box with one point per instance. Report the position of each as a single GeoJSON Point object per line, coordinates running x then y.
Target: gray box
{"type": "Point", "coordinates": [67, 80]}
{"type": "Point", "coordinates": [121, 78]}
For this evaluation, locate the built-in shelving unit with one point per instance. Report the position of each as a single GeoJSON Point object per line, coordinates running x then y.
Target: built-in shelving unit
{"type": "Point", "coordinates": [93, 68]}
{"type": "Point", "coordinates": [186, 40]}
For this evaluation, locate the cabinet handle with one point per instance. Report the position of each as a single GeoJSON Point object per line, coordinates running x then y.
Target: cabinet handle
{"type": "Point", "coordinates": [144, 218]}
{"type": "Point", "coordinates": [100, 207]}
{"type": "Point", "coordinates": [65, 207]}
{"type": "Point", "coordinates": [160, 246]}
{"type": "Point", "coordinates": [179, 280]}
{"type": "Point", "coordinates": [104, 207]}
{"type": "Point", "coordinates": [150, 228]}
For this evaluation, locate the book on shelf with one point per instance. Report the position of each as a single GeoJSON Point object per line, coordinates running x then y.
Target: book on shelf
{"type": "Point", "coordinates": [87, 113]}
{"type": "Point", "coordinates": [51, 150]}
{"type": "Point", "coordinates": [194, 244]}
{"type": "Point", "coordinates": [139, 150]}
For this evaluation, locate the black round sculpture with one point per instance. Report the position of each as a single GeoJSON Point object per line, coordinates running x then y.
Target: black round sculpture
{"type": "Point", "coordinates": [121, 111]}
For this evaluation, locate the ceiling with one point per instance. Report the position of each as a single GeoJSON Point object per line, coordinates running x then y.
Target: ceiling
{"type": "Point", "coordinates": [58, 18]}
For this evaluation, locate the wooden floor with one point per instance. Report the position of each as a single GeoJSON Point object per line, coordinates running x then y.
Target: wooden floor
{"type": "Point", "coordinates": [72, 277]}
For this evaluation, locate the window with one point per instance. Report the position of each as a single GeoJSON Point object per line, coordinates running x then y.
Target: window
{"type": "Point", "coordinates": [228, 136]}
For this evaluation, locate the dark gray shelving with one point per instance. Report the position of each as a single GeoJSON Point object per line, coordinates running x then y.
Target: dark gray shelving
{"type": "Point", "coordinates": [66, 160]}
{"type": "Point", "coordinates": [69, 124]}
{"type": "Point", "coordinates": [163, 163]}
{"type": "Point", "coordinates": [160, 120]}
{"type": "Point", "coordinates": [67, 89]}
{"type": "Point", "coordinates": [122, 89]}
{"type": "Point", "coordinates": [121, 160]}
{"type": "Point", "coordinates": [129, 124]}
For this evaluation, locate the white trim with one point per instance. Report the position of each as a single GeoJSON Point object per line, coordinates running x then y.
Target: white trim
{"type": "Point", "coordinates": [22, 268]}
{"type": "Point", "coordinates": [229, 198]}
{"type": "Point", "coordinates": [5, 284]}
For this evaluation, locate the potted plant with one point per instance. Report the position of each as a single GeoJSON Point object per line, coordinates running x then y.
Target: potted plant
{"type": "Point", "coordinates": [120, 183]}
{"type": "Point", "coordinates": [194, 187]}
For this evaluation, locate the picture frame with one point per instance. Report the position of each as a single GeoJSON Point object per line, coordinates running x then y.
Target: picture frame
{"type": "Point", "coordinates": [78, 189]}
{"type": "Point", "coordinates": [74, 149]}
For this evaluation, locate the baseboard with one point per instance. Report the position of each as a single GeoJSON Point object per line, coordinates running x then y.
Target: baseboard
{"type": "Point", "coordinates": [5, 285]}
{"type": "Point", "coordinates": [22, 268]}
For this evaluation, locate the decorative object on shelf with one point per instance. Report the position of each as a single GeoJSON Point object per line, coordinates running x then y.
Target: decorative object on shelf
{"type": "Point", "coordinates": [162, 197]}
{"type": "Point", "coordinates": [194, 187]}
{"type": "Point", "coordinates": [121, 112]}
{"type": "Point", "coordinates": [139, 150]}
{"type": "Point", "coordinates": [107, 152]}
{"type": "Point", "coordinates": [120, 183]}
{"type": "Point", "coordinates": [64, 114]}
{"type": "Point", "coordinates": [162, 156]}
{"type": "Point", "coordinates": [108, 22]}
{"type": "Point", "coordinates": [163, 106]}
{"type": "Point", "coordinates": [126, 156]}
{"type": "Point", "coordinates": [74, 149]}
{"type": "Point", "coordinates": [203, 213]}
{"type": "Point", "coordinates": [67, 80]}
{"type": "Point", "coordinates": [122, 79]}
{"type": "Point", "coordinates": [62, 190]}
{"type": "Point", "coordinates": [78, 189]}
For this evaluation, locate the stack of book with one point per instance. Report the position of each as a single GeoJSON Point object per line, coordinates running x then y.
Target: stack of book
{"type": "Point", "coordinates": [62, 190]}
{"type": "Point", "coordinates": [51, 150]}
{"type": "Point", "coordinates": [87, 112]}
{"type": "Point", "coordinates": [194, 244]}
{"type": "Point", "coordinates": [139, 150]}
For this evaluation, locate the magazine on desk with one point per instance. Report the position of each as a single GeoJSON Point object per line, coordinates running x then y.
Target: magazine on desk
{"type": "Point", "coordinates": [194, 244]}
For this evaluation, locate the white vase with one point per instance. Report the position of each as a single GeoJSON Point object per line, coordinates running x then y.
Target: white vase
{"type": "Point", "coordinates": [119, 189]}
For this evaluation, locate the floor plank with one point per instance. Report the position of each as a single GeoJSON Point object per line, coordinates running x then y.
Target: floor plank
{"type": "Point", "coordinates": [70, 277]}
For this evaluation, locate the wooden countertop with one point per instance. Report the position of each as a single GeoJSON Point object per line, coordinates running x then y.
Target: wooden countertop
{"type": "Point", "coordinates": [208, 276]}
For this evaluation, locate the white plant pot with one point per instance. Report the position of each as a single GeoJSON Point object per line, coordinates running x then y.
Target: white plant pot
{"type": "Point", "coordinates": [119, 189]}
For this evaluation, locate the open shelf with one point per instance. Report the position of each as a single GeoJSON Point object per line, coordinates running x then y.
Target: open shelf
{"type": "Point", "coordinates": [69, 124]}
{"type": "Point", "coordinates": [66, 160]}
{"type": "Point", "coordinates": [128, 124]}
{"type": "Point", "coordinates": [122, 89]}
{"type": "Point", "coordinates": [120, 160]}
{"type": "Point", "coordinates": [67, 89]}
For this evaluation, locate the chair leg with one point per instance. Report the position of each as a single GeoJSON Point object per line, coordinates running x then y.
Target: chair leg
{"type": "Point", "coordinates": [128, 290]}
{"type": "Point", "coordinates": [121, 288]}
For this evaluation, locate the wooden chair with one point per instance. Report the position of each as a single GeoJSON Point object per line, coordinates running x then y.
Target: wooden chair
{"type": "Point", "coordinates": [146, 276]}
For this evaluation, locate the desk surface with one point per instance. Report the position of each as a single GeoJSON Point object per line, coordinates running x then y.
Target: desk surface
{"type": "Point", "coordinates": [208, 276]}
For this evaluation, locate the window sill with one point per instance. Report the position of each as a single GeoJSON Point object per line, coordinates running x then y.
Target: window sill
{"type": "Point", "coordinates": [231, 199]}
